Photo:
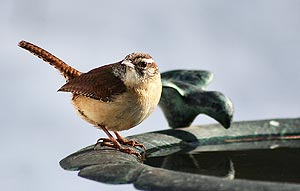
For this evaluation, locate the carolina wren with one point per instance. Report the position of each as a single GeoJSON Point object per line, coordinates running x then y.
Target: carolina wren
{"type": "Point", "coordinates": [113, 97]}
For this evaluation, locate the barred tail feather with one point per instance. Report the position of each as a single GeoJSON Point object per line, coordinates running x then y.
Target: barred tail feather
{"type": "Point", "coordinates": [67, 71]}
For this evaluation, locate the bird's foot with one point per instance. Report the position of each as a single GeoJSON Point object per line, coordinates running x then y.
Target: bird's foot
{"type": "Point", "coordinates": [132, 143]}
{"type": "Point", "coordinates": [127, 150]}
{"type": "Point", "coordinates": [123, 141]}
{"type": "Point", "coordinates": [116, 144]}
{"type": "Point", "coordinates": [102, 140]}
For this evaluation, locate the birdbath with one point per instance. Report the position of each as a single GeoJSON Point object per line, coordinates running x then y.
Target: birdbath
{"type": "Point", "coordinates": [250, 155]}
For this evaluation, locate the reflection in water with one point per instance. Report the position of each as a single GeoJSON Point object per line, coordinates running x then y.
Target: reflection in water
{"type": "Point", "coordinates": [281, 165]}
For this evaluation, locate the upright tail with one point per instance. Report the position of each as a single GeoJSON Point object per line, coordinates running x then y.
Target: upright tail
{"type": "Point", "coordinates": [67, 71]}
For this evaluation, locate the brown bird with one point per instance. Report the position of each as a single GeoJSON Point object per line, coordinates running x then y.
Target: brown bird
{"type": "Point", "coordinates": [113, 97]}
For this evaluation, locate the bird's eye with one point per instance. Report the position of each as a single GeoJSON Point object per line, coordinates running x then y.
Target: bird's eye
{"type": "Point", "coordinates": [143, 64]}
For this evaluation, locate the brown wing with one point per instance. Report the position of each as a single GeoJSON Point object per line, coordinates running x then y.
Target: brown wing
{"type": "Point", "coordinates": [99, 83]}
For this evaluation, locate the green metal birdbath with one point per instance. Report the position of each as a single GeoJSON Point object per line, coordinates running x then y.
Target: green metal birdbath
{"type": "Point", "coordinates": [250, 155]}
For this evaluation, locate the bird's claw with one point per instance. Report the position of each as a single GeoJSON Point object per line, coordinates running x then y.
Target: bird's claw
{"type": "Point", "coordinates": [132, 143]}
{"type": "Point", "coordinates": [110, 143]}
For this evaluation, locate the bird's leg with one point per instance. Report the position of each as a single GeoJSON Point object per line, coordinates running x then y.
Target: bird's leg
{"type": "Point", "coordinates": [112, 142]}
{"type": "Point", "coordinates": [132, 143]}
{"type": "Point", "coordinates": [105, 141]}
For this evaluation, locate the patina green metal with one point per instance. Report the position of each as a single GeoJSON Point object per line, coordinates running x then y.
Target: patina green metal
{"type": "Point", "coordinates": [184, 97]}
{"type": "Point", "coordinates": [110, 166]}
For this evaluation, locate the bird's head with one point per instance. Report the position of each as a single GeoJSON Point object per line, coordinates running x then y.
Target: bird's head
{"type": "Point", "coordinates": [138, 68]}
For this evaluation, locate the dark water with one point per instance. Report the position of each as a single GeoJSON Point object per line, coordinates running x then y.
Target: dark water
{"type": "Point", "coordinates": [280, 165]}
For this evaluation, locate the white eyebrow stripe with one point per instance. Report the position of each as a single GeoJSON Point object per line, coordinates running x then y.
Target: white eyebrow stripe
{"type": "Point", "coordinates": [127, 63]}
{"type": "Point", "coordinates": [148, 60]}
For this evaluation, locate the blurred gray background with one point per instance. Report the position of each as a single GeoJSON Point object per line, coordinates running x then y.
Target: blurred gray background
{"type": "Point", "coordinates": [252, 47]}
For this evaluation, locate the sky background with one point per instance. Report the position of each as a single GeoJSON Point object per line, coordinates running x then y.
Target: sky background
{"type": "Point", "coordinates": [252, 47]}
